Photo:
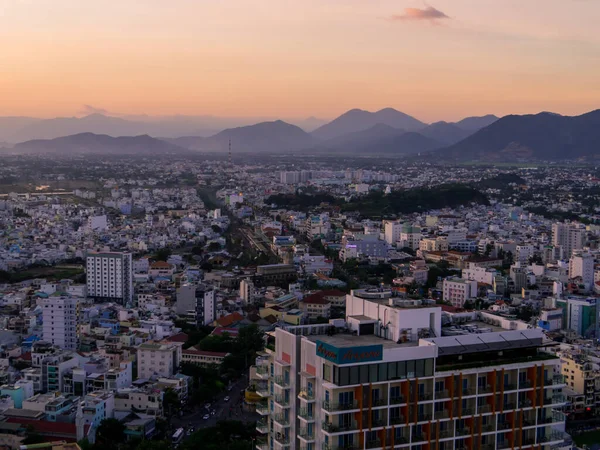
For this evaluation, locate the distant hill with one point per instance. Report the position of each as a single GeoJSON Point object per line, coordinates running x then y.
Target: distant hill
{"type": "Point", "coordinates": [359, 120]}
{"type": "Point", "coordinates": [358, 139]}
{"type": "Point", "coordinates": [268, 137]}
{"type": "Point", "coordinates": [445, 133]}
{"type": "Point", "coordinates": [89, 143]}
{"type": "Point", "coordinates": [544, 136]}
{"type": "Point", "coordinates": [476, 123]}
{"type": "Point", "coordinates": [309, 124]}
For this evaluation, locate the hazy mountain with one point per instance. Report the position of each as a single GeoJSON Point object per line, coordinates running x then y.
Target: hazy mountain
{"type": "Point", "coordinates": [476, 123]}
{"type": "Point", "coordinates": [277, 136]}
{"type": "Point", "coordinates": [309, 124]}
{"type": "Point", "coordinates": [359, 120]}
{"type": "Point", "coordinates": [358, 139]}
{"type": "Point", "coordinates": [8, 125]}
{"type": "Point", "coordinates": [89, 143]}
{"type": "Point", "coordinates": [445, 133]}
{"type": "Point", "coordinates": [540, 136]}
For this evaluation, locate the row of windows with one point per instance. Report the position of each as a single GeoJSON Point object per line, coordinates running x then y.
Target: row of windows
{"type": "Point", "coordinates": [371, 373]}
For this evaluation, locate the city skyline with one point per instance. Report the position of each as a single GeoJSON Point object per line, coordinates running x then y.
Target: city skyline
{"type": "Point", "coordinates": [440, 61]}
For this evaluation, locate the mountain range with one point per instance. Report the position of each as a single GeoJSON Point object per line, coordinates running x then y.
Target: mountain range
{"type": "Point", "coordinates": [90, 143]}
{"type": "Point", "coordinates": [546, 136]}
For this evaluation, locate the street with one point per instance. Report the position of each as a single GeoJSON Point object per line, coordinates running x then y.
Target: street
{"type": "Point", "coordinates": [231, 410]}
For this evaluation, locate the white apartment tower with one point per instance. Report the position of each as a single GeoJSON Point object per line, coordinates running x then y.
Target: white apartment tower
{"type": "Point", "coordinates": [110, 276]}
{"type": "Point", "coordinates": [385, 378]}
{"type": "Point", "coordinates": [582, 265]}
{"type": "Point", "coordinates": [568, 237]}
{"type": "Point", "coordinates": [60, 316]}
{"type": "Point", "coordinates": [392, 231]}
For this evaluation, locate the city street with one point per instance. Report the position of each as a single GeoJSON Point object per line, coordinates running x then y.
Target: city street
{"type": "Point", "coordinates": [231, 410]}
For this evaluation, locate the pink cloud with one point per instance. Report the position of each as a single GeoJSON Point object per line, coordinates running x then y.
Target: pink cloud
{"type": "Point", "coordinates": [415, 14]}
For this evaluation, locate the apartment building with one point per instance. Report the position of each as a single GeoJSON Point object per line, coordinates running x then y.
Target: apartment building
{"type": "Point", "coordinates": [581, 265]}
{"type": "Point", "coordinates": [60, 315]}
{"type": "Point", "coordinates": [568, 237]}
{"type": "Point", "coordinates": [110, 276]}
{"type": "Point", "coordinates": [582, 377]}
{"type": "Point", "coordinates": [384, 378]}
{"type": "Point", "coordinates": [158, 359]}
{"type": "Point", "coordinates": [458, 290]}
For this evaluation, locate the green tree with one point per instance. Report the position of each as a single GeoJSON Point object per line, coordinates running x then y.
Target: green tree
{"type": "Point", "coordinates": [162, 254]}
{"type": "Point", "coordinates": [214, 247]}
{"type": "Point", "coordinates": [110, 433]}
{"type": "Point", "coordinates": [171, 402]}
{"type": "Point", "coordinates": [216, 229]}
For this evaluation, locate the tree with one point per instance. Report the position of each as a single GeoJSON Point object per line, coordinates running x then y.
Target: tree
{"type": "Point", "coordinates": [488, 249]}
{"type": "Point", "coordinates": [214, 247]}
{"type": "Point", "coordinates": [154, 445]}
{"type": "Point", "coordinates": [162, 254]}
{"type": "Point", "coordinates": [469, 305]}
{"type": "Point", "coordinates": [171, 402]}
{"type": "Point", "coordinates": [110, 433]}
{"type": "Point", "coordinates": [32, 436]}
{"type": "Point", "coordinates": [216, 229]}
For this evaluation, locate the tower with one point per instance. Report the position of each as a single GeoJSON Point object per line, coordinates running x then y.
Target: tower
{"type": "Point", "coordinates": [230, 162]}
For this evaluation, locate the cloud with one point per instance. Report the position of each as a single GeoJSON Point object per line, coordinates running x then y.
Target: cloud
{"type": "Point", "coordinates": [89, 109]}
{"type": "Point", "coordinates": [414, 14]}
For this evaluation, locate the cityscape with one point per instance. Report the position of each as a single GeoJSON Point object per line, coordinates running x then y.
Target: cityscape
{"type": "Point", "coordinates": [300, 225]}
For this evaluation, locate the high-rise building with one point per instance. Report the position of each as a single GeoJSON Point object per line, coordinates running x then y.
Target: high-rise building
{"type": "Point", "coordinates": [582, 265]}
{"type": "Point", "coordinates": [198, 302]}
{"type": "Point", "coordinates": [110, 276]}
{"type": "Point", "coordinates": [60, 315]}
{"type": "Point", "coordinates": [568, 236]}
{"type": "Point", "coordinates": [158, 359]}
{"type": "Point", "coordinates": [386, 378]}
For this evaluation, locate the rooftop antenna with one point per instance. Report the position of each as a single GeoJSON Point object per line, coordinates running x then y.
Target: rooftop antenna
{"type": "Point", "coordinates": [230, 163]}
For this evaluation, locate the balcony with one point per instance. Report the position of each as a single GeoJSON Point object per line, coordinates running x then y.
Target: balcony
{"type": "Point", "coordinates": [488, 389]}
{"type": "Point", "coordinates": [445, 434]}
{"type": "Point", "coordinates": [262, 372]}
{"type": "Point", "coordinates": [487, 428]}
{"type": "Point", "coordinates": [467, 412]}
{"type": "Point", "coordinates": [306, 435]}
{"type": "Point", "coordinates": [282, 439]}
{"type": "Point", "coordinates": [306, 415]}
{"type": "Point", "coordinates": [423, 417]}
{"type": "Point", "coordinates": [281, 420]}
{"type": "Point", "coordinates": [379, 402]}
{"type": "Point", "coordinates": [483, 409]}
{"type": "Point", "coordinates": [374, 444]}
{"type": "Point", "coordinates": [398, 420]}
{"type": "Point", "coordinates": [282, 401]}
{"type": "Point", "coordinates": [510, 387]}
{"type": "Point", "coordinates": [341, 447]}
{"type": "Point", "coordinates": [508, 406]}
{"type": "Point", "coordinates": [439, 395]}
{"type": "Point", "coordinates": [306, 395]}
{"type": "Point", "coordinates": [443, 414]}
{"type": "Point", "coordinates": [262, 426]}
{"type": "Point", "coordinates": [262, 444]}
{"type": "Point", "coordinates": [417, 438]}
{"type": "Point", "coordinates": [332, 407]}
{"type": "Point", "coordinates": [504, 425]}
{"type": "Point", "coordinates": [463, 431]}
{"type": "Point", "coordinates": [397, 400]}
{"type": "Point", "coordinates": [331, 428]}
{"type": "Point", "coordinates": [468, 391]}
{"type": "Point", "coordinates": [262, 409]}
{"type": "Point", "coordinates": [558, 379]}
{"type": "Point", "coordinates": [281, 381]}
{"type": "Point", "coordinates": [424, 396]}
{"type": "Point", "coordinates": [263, 390]}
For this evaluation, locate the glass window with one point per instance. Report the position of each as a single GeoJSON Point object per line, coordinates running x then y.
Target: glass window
{"type": "Point", "coordinates": [354, 375]}
{"type": "Point", "coordinates": [344, 376]}
{"type": "Point", "coordinates": [373, 375]}
{"type": "Point", "coordinates": [392, 373]}
{"type": "Point", "coordinates": [420, 368]}
{"type": "Point", "coordinates": [410, 369]}
{"type": "Point", "coordinates": [383, 376]}
{"type": "Point", "coordinates": [401, 369]}
{"type": "Point", "coordinates": [364, 374]}
{"type": "Point", "coordinates": [429, 367]}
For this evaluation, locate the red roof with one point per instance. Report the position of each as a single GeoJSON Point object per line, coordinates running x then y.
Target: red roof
{"type": "Point", "coordinates": [25, 356]}
{"type": "Point", "coordinates": [160, 265]}
{"type": "Point", "coordinates": [67, 430]}
{"type": "Point", "coordinates": [179, 337]}
{"type": "Point", "coordinates": [230, 319]}
{"type": "Point", "coordinates": [315, 299]}
{"type": "Point", "coordinates": [220, 330]}
{"type": "Point", "coordinates": [193, 351]}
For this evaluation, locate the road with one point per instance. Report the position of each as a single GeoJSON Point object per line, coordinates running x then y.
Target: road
{"type": "Point", "coordinates": [231, 410]}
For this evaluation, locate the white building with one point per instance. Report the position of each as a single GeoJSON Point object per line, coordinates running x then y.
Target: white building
{"type": "Point", "coordinates": [370, 385]}
{"type": "Point", "coordinates": [392, 231]}
{"type": "Point", "coordinates": [60, 315]}
{"type": "Point", "coordinates": [582, 265]}
{"type": "Point", "coordinates": [110, 276]}
{"type": "Point", "coordinates": [158, 359]}
{"type": "Point", "coordinates": [458, 290]}
{"type": "Point", "coordinates": [568, 236]}
{"type": "Point", "coordinates": [479, 274]}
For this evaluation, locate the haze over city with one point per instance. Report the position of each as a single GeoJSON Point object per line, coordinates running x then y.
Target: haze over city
{"type": "Point", "coordinates": [442, 60]}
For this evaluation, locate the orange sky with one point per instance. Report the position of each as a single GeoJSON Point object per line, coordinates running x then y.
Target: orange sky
{"type": "Point", "coordinates": [290, 58]}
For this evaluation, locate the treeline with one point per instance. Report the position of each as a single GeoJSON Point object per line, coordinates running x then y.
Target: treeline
{"type": "Point", "coordinates": [416, 200]}
{"type": "Point", "coordinates": [301, 201]}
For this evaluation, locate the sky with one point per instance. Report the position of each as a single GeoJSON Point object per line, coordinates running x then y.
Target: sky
{"type": "Point", "coordinates": [437, 60]}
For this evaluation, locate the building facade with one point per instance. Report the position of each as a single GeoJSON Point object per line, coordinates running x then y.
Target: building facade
{"type": "Point", "coordinates": [110, 276]}
{"type": "Point", "coordinates": [60, 315]}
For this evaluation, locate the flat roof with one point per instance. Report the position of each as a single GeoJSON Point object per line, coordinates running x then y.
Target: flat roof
{"type": "Point", "coordinates": [485, 342]}
{"type": "Point", "coordinates": [342, 340]}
